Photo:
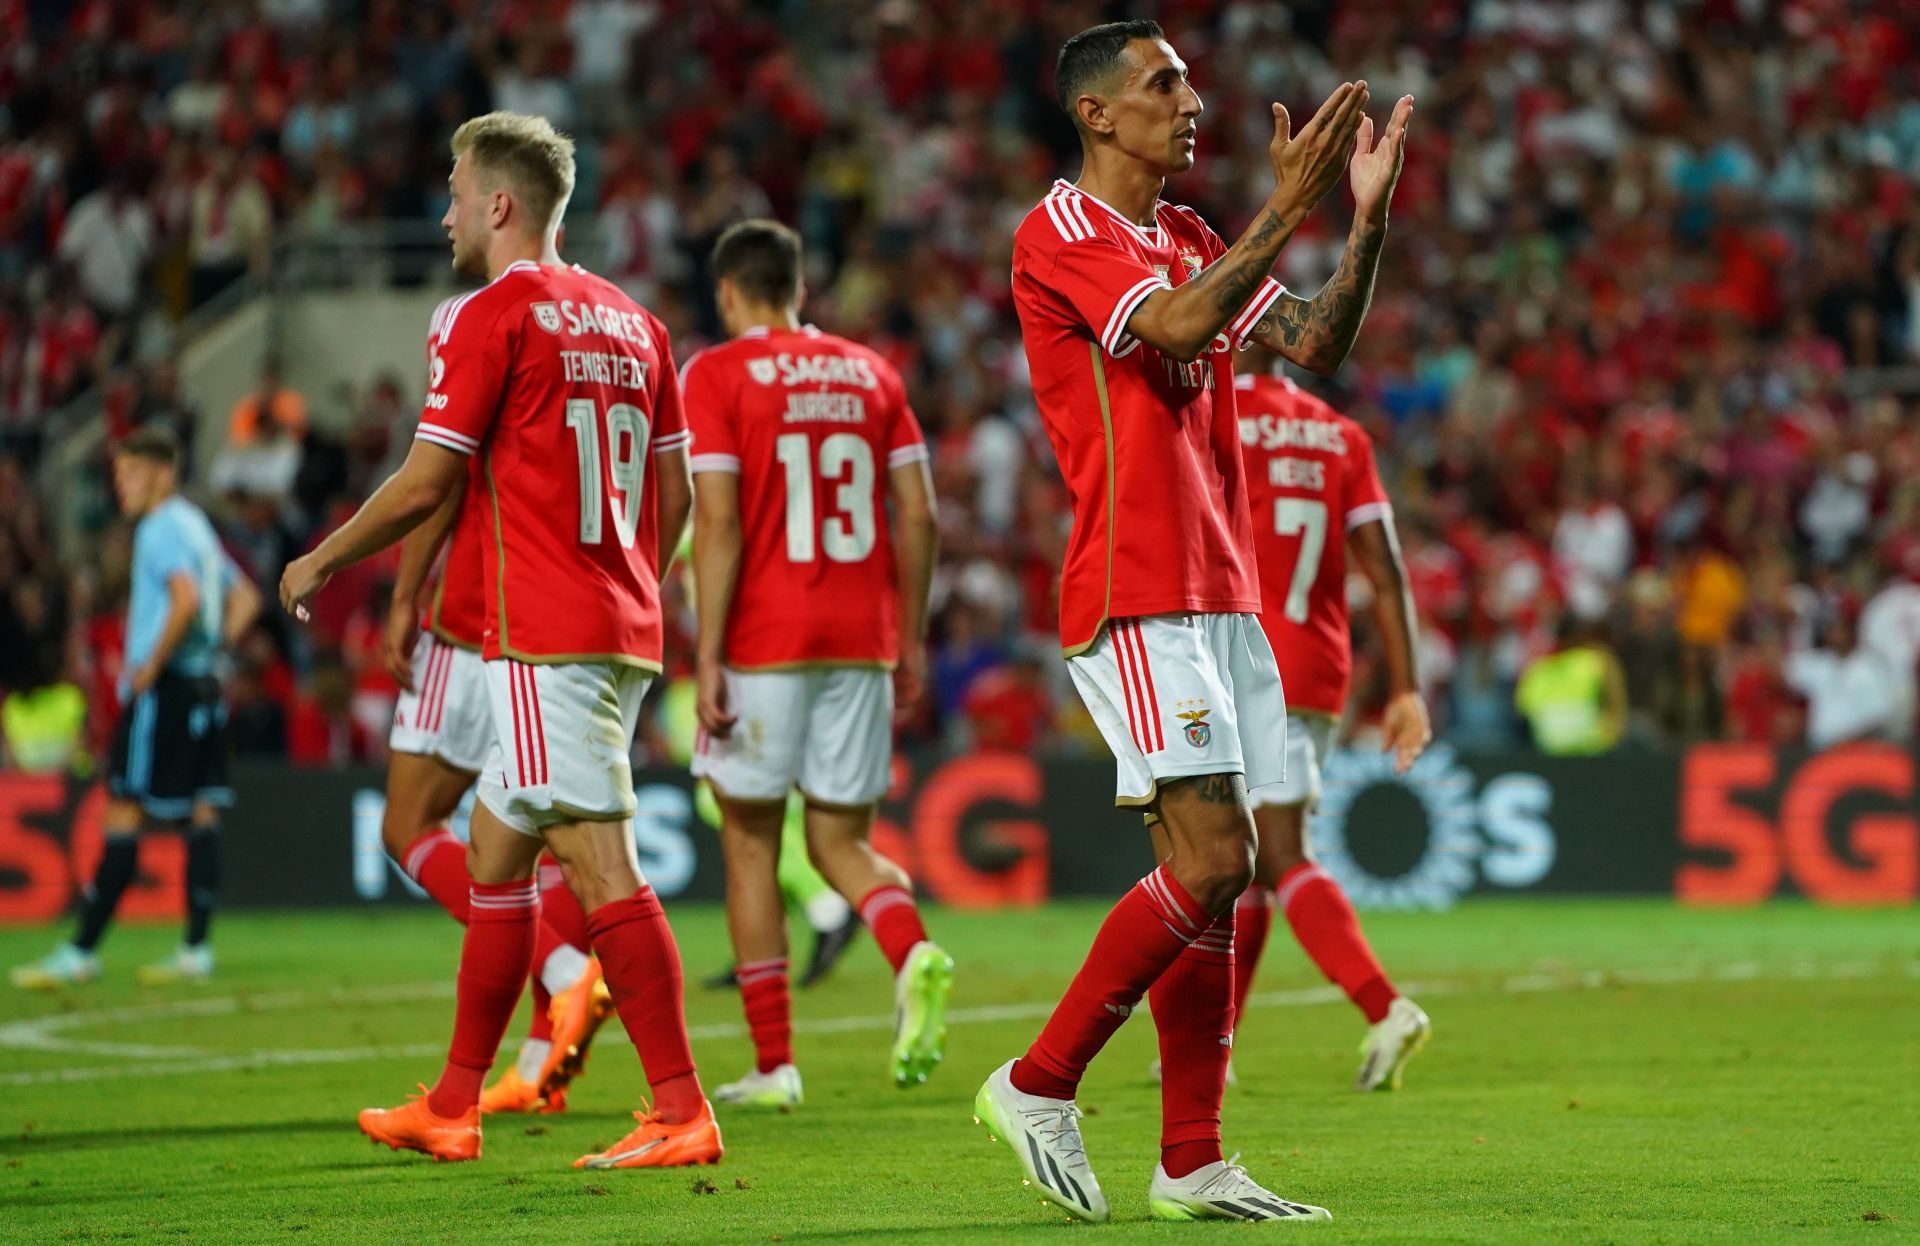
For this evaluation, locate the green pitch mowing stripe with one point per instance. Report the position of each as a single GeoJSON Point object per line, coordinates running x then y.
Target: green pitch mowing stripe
{"type": "Point", "coordinates": [1602, 1071]}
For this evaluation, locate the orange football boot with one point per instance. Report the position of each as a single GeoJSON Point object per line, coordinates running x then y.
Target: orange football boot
{"type": "Point", "coordinates": [577, 1014]}
{"type": "Point", "coordinates": [513, 1094]}
{"type": "Point", "coordinates": [414, 1127]}
{"type": "Point", "coordinates": [656, 1144]}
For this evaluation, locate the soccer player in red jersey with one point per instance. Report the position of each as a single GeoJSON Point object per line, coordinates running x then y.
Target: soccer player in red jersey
{"type": "Point", "coordinates": [442, 730]}
{"type": "Point", "coordinates": [565, 391]}
{"type": "Point", "coordinates": [800, 439]}
{"type": "Point", "coordinates": [1130, 310]}
{"type": "Point", "coordinates": [1316, 495]}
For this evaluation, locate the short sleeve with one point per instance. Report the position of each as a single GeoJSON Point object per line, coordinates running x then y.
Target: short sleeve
{"type": "Point", "coordinates": [709, 408]}
{"type": "Point", "coordinates": [669, 415]}
{"type": "Point", "coordinates": [167, 549]}
{"type": "Point", "coordinates": [1263, 299]}
{"type": "Point", "coordinates": [466, 377]}
{"type": "Point", "coordinates": [1103, 284]}
{"type": "Point", "coordinates": [1366, 496]}
{"type": "Point", "coordinates": [905, 442]}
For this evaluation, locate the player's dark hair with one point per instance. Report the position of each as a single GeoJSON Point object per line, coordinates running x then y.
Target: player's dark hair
{"type": "Point", "coordinates": [154, 442]}
{"type": "Point", "coordinates": [762, 259]}
{"type": "Point", "coordinates": [1092, 55]}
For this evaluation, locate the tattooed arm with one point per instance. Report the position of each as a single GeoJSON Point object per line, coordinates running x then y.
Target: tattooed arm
{"type": "Point", "coordinates": [1318, 333]}
{"type": "Point", "coordinates": [1183, 322]}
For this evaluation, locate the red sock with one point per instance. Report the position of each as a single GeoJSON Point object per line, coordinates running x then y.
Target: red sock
{"type": "Point", "coordinates": [763, 989]}
{"type": "Point", "coordinates": [493, 968]}
{"type": "Point", "coordinates": [562, 922]}
{"type": "Point", "coordinates": [1193, 1011]}
{"type": "Point", "coordinates": [438, 862]}
{"type": "Point", "coordinates": [545, 940]}
{"type": "Point", "coordinates": [1327, 927]}
{"type": "Point", "coordinates": [540, 1024]}
{"type": "Point", "coordinates": [642, 964]}
{"type": "Point", "coordinates": [1152, 924]}
{"type": "Point", "coordinates": [895, 921]}
{"type": "Point", "coordinates": [560, 909]}
{"type": "Point", "coordinates": [1253, 918]}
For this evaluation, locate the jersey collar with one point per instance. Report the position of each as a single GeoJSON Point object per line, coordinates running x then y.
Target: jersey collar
{"type": "Point", "coordinates": [1145, 235]}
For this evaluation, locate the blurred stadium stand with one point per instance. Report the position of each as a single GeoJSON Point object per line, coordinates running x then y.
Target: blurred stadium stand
{"type": "Point", "coordinates": [1644, 363]}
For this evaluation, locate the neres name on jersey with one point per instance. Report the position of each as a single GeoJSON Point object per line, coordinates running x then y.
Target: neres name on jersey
{"type": "Point", "coordinates": [825, 409]}
{"type": "Point", "coordinates": [598, 369]}
{"type": "Point", "coordinates": [1286, 473]}
{"type": "Point", "coordinates": [1274, 432]}
{"type": "Point", "coordinates": [790, 370]}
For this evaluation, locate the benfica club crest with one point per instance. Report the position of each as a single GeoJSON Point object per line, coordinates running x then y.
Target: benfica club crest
{"type": "Point", "coordinates": [1199, 730]}
{"type": "Point", "coordinates": [547, 316]}
{"type": "Point", "coordinates": [764, 371]}
{"type": "Point", "coordinates": [1193, 263]}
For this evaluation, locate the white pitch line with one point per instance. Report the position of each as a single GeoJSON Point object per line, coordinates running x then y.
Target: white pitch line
{"type": "Point", "coordinates": [39, 1034]}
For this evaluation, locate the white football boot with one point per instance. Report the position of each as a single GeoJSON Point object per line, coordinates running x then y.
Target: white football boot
{"type": "Point", "coordinates": [1222, 1190]}
{"type": "Point", "coordinates": [187, 964]}
{"type": "Point", "coordinates": [1045, 1137]}
{"type": "Point", "coordinates": [1389, 1044]}
{"type": "Point", "coordinates": [66, 965]}
{"type": "Point", "coordinates": [777, 1089]}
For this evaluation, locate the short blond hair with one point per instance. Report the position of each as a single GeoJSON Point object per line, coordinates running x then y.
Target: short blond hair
{"type": "Point", "coordinates": [527, 153]}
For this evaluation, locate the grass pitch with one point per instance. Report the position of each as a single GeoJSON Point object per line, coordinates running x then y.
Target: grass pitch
{"type": "Point", "coordinates": [1600, 1072]}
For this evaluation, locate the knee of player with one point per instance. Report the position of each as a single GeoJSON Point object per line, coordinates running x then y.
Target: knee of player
{"type": "Point", "coordinates": [1227, 861]}
{"type": "Point", "coordinates": [399, 831]}
{"type": "Point", "coordinates": [1276, 862]}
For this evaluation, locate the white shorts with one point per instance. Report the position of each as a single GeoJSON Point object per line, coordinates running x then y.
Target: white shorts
{"type": "Point", "coordinates": [561, 742]}
{"type": "Point", "coordinates": [825, 730]}
{"type": "Point", "coordinates": [1185, 694]}
{"type": "Point", "coordinates": [1309, 740]}
{"type": "Point", "coordinates": [447, 714]}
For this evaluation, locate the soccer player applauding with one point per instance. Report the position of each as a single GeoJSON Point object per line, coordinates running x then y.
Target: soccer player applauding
{"type": "Point", "coordinates": [800, 439]}
{"type": "Point", "coordinates": [1130, 309]}
{"type": "Point", "coordinates": [565, 390]}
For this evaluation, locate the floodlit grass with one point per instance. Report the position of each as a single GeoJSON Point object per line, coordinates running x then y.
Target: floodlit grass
{"type": "Point", "coordinates": [1601, 1071]}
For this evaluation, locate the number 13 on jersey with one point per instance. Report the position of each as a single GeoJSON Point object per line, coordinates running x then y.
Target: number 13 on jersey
{"type": "Point", "coordinates": [846, 532]}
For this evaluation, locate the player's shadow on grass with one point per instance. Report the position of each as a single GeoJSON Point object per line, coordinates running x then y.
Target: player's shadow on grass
{"type": "Point", "coordinates": [52, 1141]}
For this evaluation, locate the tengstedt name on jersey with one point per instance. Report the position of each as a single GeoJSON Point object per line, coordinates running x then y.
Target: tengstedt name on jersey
{"type": "Point", "coordinates": [597, 368]}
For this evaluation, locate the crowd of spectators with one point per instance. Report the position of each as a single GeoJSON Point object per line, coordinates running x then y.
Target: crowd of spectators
{"type": "Point", "coordinates": [1633, 366]}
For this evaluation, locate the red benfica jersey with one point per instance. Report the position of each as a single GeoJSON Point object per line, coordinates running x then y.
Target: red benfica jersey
{"type": "Point", "coordinates": [1312, 480]}
{"type": "Point", "coordinates": [457, 610]}
{"type": "Point", "coordinates": [812, 424]}
{"type": "Point", "coordinates": [565, 390]}
{"type": "Point", "coordinates": [1148, 445]}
